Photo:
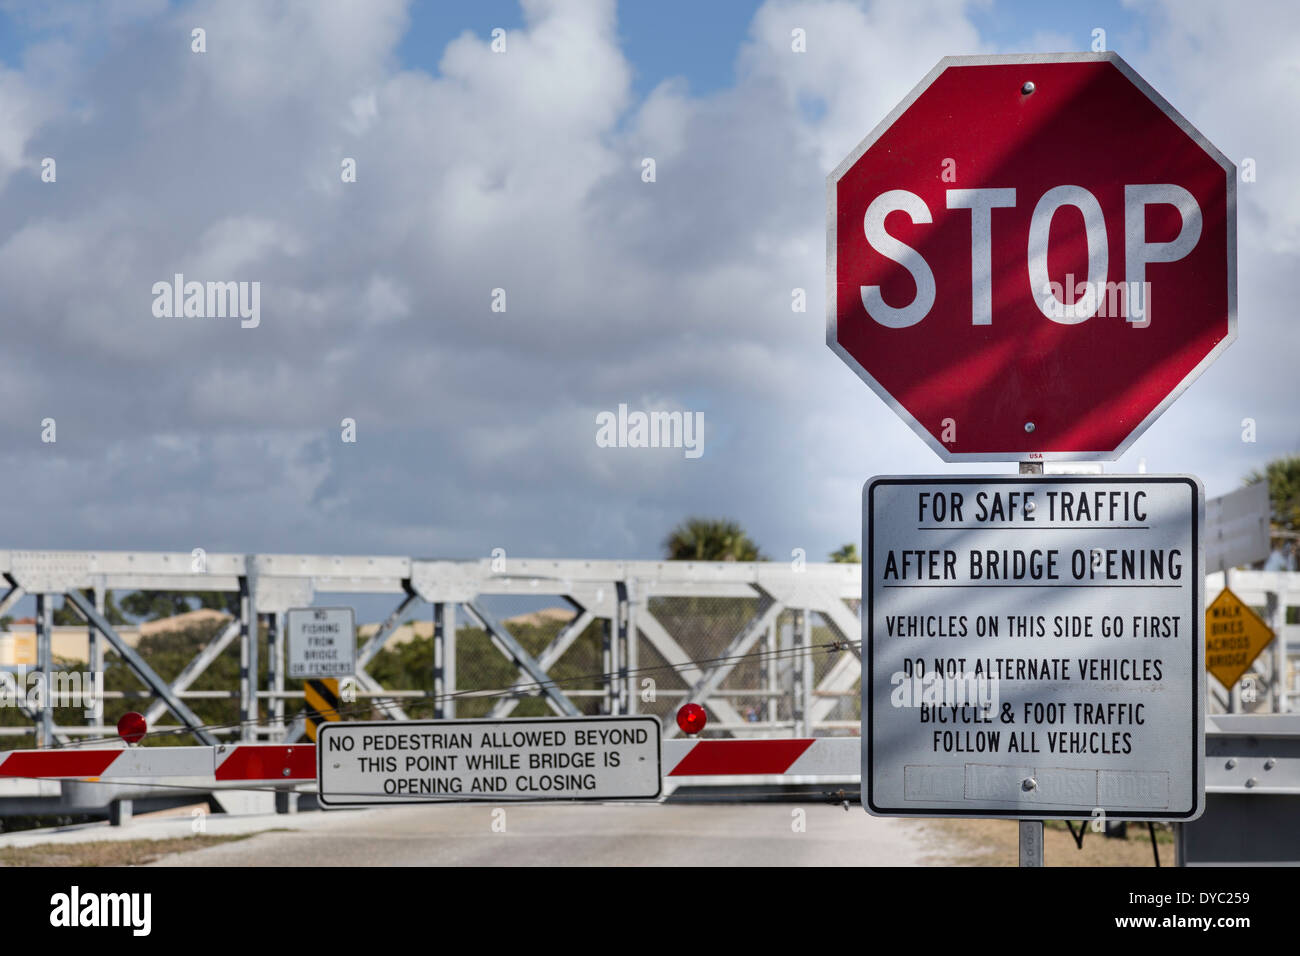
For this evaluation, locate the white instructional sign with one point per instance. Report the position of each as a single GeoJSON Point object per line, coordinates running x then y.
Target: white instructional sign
{"type": "Point", "coordinates": [1034, 647]}
{"type": "Point", "coordinates": [426, 761]}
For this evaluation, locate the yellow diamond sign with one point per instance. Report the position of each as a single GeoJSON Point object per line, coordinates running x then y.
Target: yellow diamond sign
{"type": "Point", "coordinates": [1234, 636]}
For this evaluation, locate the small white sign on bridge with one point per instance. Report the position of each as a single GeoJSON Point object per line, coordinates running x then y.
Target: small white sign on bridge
{"type": "Point", "coordinates": [524, 760]}
{"type": "Point", "coordinates": [322, 641]}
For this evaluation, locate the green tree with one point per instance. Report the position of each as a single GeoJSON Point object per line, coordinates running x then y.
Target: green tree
{"type": "Point", "coordinates": [1283, 477]}
{"type": "Point", "coordinates": [168, 653]}
{"type": "Point", "coordinates": [846, 554]}
{"type": "Point", "coordinates": [66, 614]}
{"type": "Point", "coordinates": [479, 666]}
{"type": "Point", "coordinates": [156, 605]}
{"type": "Point", "coordinates": [710, 539]}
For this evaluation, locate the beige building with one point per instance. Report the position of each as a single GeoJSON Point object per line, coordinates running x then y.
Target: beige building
{"type": "Point", "coordinates": [72, 643]}
{"type": "Point", "coordinates": [424, 628]}
{"type": "Point", "coordinates": [18, 645]}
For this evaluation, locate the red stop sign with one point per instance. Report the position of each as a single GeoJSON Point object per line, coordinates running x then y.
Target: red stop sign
{"type": "Point", "coordinates": [1032, 257]}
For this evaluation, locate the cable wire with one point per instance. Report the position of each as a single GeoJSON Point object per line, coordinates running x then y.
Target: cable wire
{"type": "Point", "coordinates": [525, 688]}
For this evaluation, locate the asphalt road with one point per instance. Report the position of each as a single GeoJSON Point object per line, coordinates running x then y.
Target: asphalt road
{"type": "Point", "coordinates": [577, 835]}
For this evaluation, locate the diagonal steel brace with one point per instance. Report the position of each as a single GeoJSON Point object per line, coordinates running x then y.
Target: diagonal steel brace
{"type": "Point", "coordinates": [524, 661]}
{"type": "Point", "coordinates": [142, 669]}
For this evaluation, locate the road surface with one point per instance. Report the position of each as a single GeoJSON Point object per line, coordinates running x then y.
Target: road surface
{"type": "Point", "coordinates": [575, 835]}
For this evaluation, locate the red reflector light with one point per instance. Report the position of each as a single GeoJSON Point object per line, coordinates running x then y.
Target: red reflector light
{"type": "Point", "coordinates": [132, 727]}
{"type": "Point", "coordinates": [691, 718]}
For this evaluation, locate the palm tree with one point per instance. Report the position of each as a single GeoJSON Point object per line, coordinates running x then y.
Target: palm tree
{"type": "Point", "coordinates": [1283, 477]}
{"type": "Point", "coordinates": [847, 554]}
{"type": "Point", "coordinates": [710, 539]}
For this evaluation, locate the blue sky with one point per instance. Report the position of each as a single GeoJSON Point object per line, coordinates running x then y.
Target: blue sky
{"type": "Point", "coordinates": [669, 38]}
{"type": "Point", "coordinates": [678, 37]}
{"type": "Point", "coordinates": [476, 172]}
{"type": "Point", "coordinates": [698, 41]}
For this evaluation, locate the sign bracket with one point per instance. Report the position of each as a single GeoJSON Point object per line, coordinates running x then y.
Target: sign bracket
{"type": "Point", "coordinates": [1031, 831]}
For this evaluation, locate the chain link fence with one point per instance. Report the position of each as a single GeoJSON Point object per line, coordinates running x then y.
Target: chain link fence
{"type": "Point", "coordinates": [782, 681]}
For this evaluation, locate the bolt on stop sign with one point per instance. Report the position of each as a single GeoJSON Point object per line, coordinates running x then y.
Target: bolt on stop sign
{"type": "Point", "coordinates": [1031, 257]}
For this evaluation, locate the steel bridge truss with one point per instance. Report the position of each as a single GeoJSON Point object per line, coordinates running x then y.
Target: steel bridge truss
{"type": "Point", "coordinates": [803, 685]}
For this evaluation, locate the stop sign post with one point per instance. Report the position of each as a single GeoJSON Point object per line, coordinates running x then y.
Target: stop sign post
{"type": "Point", "coordinates": [1031, 257]}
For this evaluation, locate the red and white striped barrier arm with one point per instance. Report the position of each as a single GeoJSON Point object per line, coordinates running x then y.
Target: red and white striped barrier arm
{"type": "Point", "coordinates": [226, 765]}
{"type": "Point", "coordinates": [234, 765]}
{"type": "Point", "coordinates": [779, 756]}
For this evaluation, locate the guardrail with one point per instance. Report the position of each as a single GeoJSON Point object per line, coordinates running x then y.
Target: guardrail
{"type": "Point", "coordinates": [1252, 779]}
{"type": "Point", "coordinates": [99, 781]}
{"type": "Point", "coordinates": [1252, 794]}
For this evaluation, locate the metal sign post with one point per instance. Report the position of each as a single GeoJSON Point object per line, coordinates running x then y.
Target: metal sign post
{"type": "Point", "coordinates": [1031, 843]}
{"type": "Point", "coordinates": [1031, 831]}
{"type": "Point", "coordinates": [1097, 652]}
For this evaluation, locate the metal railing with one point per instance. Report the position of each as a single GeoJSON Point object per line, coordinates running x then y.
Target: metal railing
{"type": "Point", "coordinates": [763, 646]}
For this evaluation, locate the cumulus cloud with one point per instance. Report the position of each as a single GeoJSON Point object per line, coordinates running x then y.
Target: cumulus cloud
{"type": "Point", "coordinates": [1235, 104]}
{"type": "Point", "coordinates": [518, 171]}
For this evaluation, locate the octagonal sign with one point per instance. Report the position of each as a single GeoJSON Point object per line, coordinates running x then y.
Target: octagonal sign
{"type": "Point", "coordinates": [1031, 257]}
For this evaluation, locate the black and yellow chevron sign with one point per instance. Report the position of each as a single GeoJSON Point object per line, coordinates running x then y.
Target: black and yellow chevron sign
{"type": "Point", "coordinates": [322, 702]}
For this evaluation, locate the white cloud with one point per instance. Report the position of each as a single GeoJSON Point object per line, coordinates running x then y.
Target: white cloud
{"type": "Point", "coordinates": [1228, 70]}
{"type": "Point", "coordinates": [518, 171]}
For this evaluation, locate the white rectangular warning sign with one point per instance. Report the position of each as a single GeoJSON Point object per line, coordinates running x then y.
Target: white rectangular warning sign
{"type": "Point", "coordinates": [322, 641]}
{"type": "Point", "coordinates": [1033, 647]}
{"type": "Point", "coordinates": [425, 761]}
